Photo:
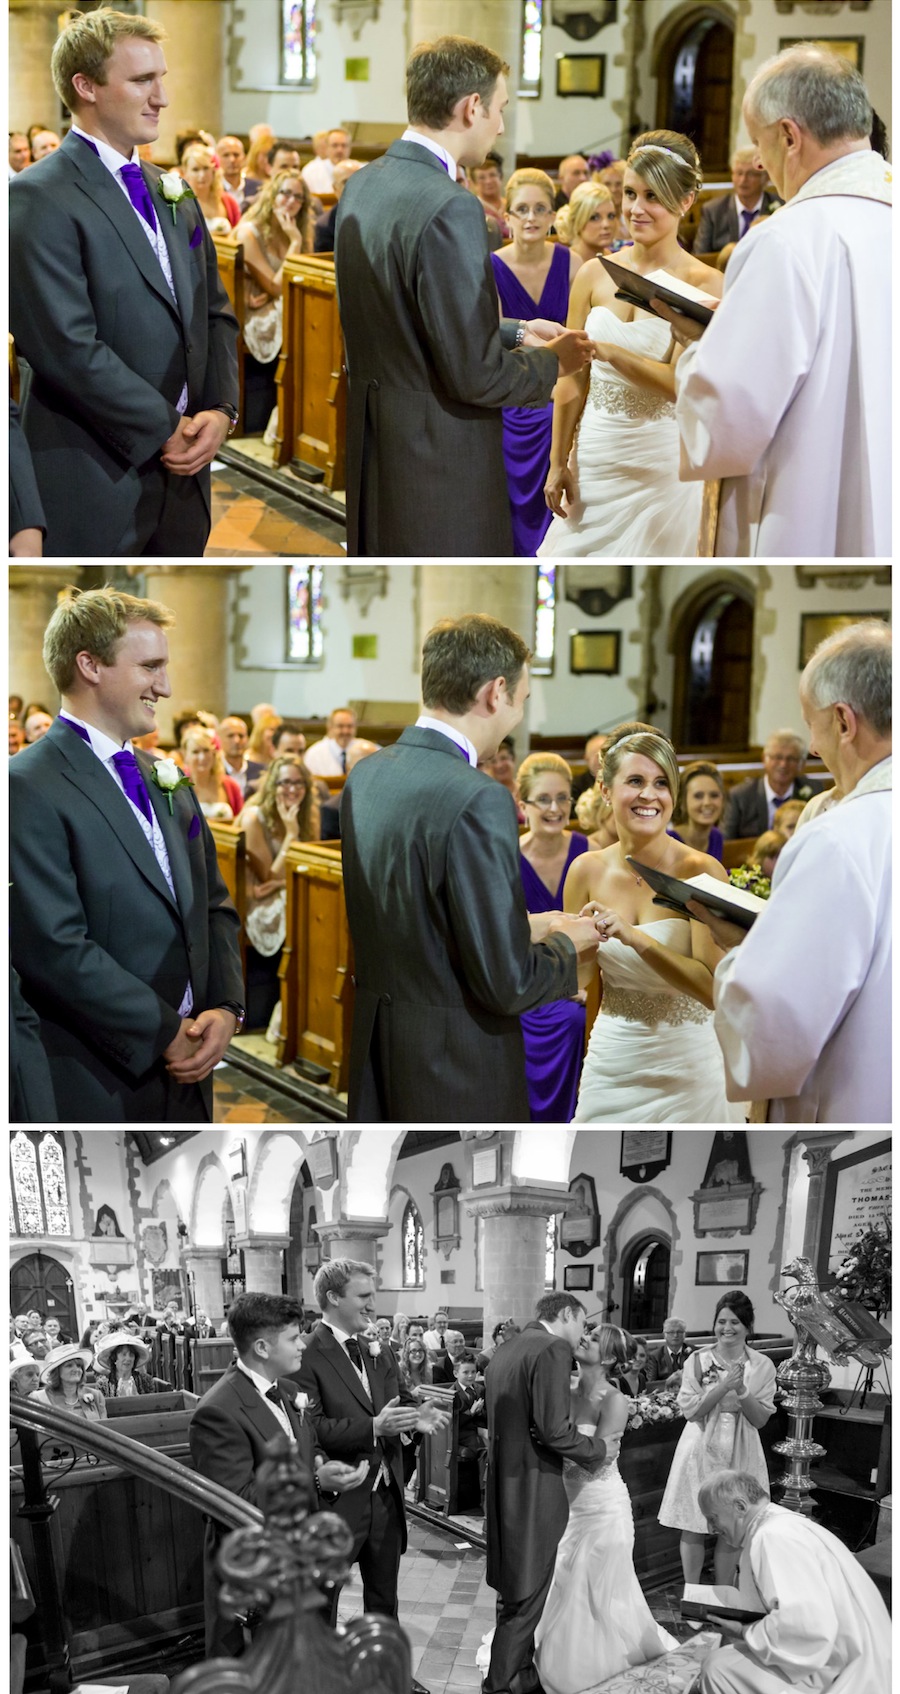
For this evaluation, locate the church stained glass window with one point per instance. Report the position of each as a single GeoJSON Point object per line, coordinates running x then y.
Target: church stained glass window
{"type": "Point", "coordinates": [532, 31]}
{"type": "Point", "coordinates": [39, 1202]}
{"type": "Point", "coordinates": [305, 614]}
{"type": "Point", "coordinates": [413, 1238]}
{"type": "Point", "coordinates": [550, 1260]}
{"type": "Point", "coordinates": [298, 43]}
{"type": "Point", "coordinates": [544, 621]}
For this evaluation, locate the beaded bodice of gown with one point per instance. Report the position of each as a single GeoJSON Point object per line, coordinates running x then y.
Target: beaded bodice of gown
{"type": "Point", "coordinates": [632, 989]}
{"type": "Point", "coordinates": [613, 394]}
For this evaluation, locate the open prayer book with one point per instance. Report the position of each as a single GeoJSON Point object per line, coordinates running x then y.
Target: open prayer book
{"type": "Point", "coordinates": [639, 291]}
{"type": "Point", "coordinates": [736, 904]}
{"type": "Point", "coordinates": [706, 1603]}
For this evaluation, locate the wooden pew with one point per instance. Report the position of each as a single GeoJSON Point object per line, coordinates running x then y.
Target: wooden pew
{"type": "Point", "coordinates": [316, 963]}
{"type": "Point", "coordinates": [311, 379]}
{"type": "Point", "coordinates": [231, 856]}
{"type": "Point", "coordinates": [230, 260]}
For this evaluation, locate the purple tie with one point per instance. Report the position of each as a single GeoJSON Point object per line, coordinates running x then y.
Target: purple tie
{"type": "Point", "coordinates": [133, 782]}
{"type": "Point", "coordinates": [747, 219]}
{"type": "Point", "coordinates": [139, 193]}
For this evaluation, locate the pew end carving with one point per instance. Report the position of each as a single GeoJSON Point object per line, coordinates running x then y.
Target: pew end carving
{"type": "Point", "coordinates": [311, 379]}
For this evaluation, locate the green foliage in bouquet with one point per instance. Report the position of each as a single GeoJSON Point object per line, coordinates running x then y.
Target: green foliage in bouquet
{"type": "Point", "coordinates": [865, 1274]}
{"type": "Point", "coordinates": [752, 878]}
{"type": "Point", "coordinates": [653, 1408]}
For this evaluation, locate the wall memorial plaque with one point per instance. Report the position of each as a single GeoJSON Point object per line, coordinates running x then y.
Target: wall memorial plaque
{"type": "Point", "coordinates": [857, 1198]}
{"type": "Point", "coordinates": [645, 1152]}
{"type": "Point", "coordinates": [579, 1230]}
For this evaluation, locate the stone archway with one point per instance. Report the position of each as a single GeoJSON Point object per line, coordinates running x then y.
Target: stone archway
{"type": "Point", "coordinates": [711, 638]}
{"type": "Point", "coordinates": [212, 1195]}
{"type": "Point", "coordinates": [646, 1282]}
{"type": "Point", "coordinates": [693, 62]}
{"type": "Point", "coordinates": [656, 1220]}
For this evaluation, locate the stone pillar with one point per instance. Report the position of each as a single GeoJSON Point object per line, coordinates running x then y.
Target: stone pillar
{"type": "Point", "coordinates": [515, 1222]}
{"type": "Point", "coordinates": [263, 1262]}
{"type": "Point", "coordinates": [203, 1268]}
{"type": "Point", "coordinates": [33, 28]}
{"type": "Point", "coordinates": [506, 591]}
{"type": "Point", "coordinates": [496, 24]}
{"type": "Point", "coordinates": [199, 642]}
{"type": "Point", "coordinates": [817, 1153]}
{"type": "Point", "coordinates": [352, 1238]}
{"type": "Point", "coordinates": [34, 593]}
{"type": "Point", "coordinates": [195, 54]}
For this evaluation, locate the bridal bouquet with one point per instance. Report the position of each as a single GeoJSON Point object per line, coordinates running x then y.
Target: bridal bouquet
{"type": "Point", "coordinates": [653, 1408]}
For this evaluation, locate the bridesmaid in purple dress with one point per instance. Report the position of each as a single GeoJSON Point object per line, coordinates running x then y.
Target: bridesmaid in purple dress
{"type": "Point", "coordinates": [533, 277]}
{"type": "Point", "coordinates": [554, 1034]}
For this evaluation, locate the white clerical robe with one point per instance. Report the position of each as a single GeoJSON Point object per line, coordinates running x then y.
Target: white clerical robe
{"type": "Point", "coordinates": [803, 1005]}
{"type": "Point", "coordinates": [787, 396]}
{"type": "Point", "coordinates": [827, 1630]}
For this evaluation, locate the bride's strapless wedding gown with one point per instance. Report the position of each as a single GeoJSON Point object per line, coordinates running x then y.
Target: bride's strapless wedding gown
{"type": "Point", "coordinates": [653, 1056]}
{"type": "Point", "coordinates": [625, 457]}
{"type": "Point", "coordinates": [596, 1621]}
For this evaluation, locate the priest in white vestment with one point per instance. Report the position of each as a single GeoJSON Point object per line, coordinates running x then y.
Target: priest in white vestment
{"type": "Point", "coordinates": [787, 394]}
{"type": "Point", "coordinates": [826, 1629]}
{"type": "Point", "coordinates": [803, 999]}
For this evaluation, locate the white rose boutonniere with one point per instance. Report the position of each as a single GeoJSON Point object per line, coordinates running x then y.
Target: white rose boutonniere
{"type": "Point", "coordinates": [174, 189]}
{"type": "Point", "coordinates": [374, 1349]}
{"type": "Point", "coordinates": [301, 1402]}
{"type": "Point", "coordinates": [168, 776]}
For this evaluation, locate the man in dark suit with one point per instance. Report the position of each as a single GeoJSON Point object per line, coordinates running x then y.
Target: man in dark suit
{"type": "Point", "coordinates": [360, 1410]}
{"type": "Point", "coordinates": [429, 372]}
{"type": "Point", "coordinates": [118, 309]}
{"type": "Point", "coordinates": [121, 927]}
{"type": "Point", "coordinates": [530, 1433]}
{"type": "Point", "coordinates": [729, 217]}
{"type": "Point", "coordinates": [237, 1418]}
{"type": "Point", "coordinates": [666, 1359]}
{"type": "Point", "coordinates": [752, 805]}
{"type": "Point", "coordinates": [27, 524]}
{"type": "Point", "coordinates": [444, 956]}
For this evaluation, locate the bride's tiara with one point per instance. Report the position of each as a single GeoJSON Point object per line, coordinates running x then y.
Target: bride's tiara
{"type": "Point", "coordinates": [654, 147]}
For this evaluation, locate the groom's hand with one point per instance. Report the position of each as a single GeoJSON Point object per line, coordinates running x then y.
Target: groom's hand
{"type": "Point", "coordinates": [195, 442]}
{"type": "Point", "coordinates": [582, 932]}
{"type": "Point", "coordinates": [199, 1045]}
{"type": "Point", "coordinates": [573, 349]}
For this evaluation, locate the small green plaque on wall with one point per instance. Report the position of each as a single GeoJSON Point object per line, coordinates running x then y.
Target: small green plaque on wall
{"type": "Point", "coordinates": [365, 647]}
{"type": "Point", "coordinates": [356, 70]}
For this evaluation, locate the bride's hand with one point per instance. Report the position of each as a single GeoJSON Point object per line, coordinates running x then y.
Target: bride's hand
{"type": "Point", "coordinates": [561, 485]}
{"type": "Point", "coordinates": [610, 925]}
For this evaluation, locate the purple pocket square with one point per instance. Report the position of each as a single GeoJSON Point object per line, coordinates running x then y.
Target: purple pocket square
{"type": "Point", "coordinates": [194, 828]}
{"type": "Point", "coordinates": [196, 237]}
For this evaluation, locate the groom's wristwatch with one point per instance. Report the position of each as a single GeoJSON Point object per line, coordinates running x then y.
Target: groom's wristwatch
{"type": "Point", "coordinates": [520, 333]}
{"type": "Point", "coordinates": [236, 1012]}
{"type": "Point", "coordinates": [230, 413]}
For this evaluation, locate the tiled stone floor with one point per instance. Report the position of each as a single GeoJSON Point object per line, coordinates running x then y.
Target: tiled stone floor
{"type": "Point", "coordinates": [239, 1098]}
{"type": "Point", "coordinates": [251, 521]}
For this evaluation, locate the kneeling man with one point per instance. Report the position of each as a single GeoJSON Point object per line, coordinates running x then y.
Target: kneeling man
{"type": "Point", "coordinates": [826, 1627]}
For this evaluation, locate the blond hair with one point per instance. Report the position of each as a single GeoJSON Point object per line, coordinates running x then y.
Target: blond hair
{"type": "Point", "coordinates": [532, 178]}
{"type": "Point", "coordinates": [651, 744]}
{"type": "Point", "coordinates": [591, 809]}
{"type": "Point", "coordinates": [94, 620]}
{"type": "Point", "coordinates": [584, 201]}
{"type": "Point", "coordinates": [209, 158]}
{"type": "Point", "coordinates": [256, 746]}
{"type": "Point", "coordinates": [193, 732]}
{"type": "Point", "coordinates": [670, 164]}
{"type": "Point", "coordinates": [86, 44]}
{"type": "Point", "coordinates": [261, 213]}
{"type": "Point", "coordinates": [535, 765]}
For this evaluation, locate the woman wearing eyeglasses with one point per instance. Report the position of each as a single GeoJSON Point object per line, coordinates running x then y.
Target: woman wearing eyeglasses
{"type": "Point", "coordinates": [277, 226]}
{"type": "Point", "coordinates": [284, 809]}
{"type": "Point", "coordinates": [554, 1034]}
{"type": "Point", "coordinates": [533, 275]}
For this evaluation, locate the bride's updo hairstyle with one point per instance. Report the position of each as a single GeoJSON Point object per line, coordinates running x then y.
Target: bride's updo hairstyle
{"type": "Point", "coordinates": [613, 1344]}
{"type": "Point", "coordinates": [641, 738]}
{"type": "Point", "coordinates": [670, 164]}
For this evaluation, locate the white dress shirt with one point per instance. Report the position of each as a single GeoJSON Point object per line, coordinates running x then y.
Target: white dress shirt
{"type": "Point", "coordinates": [447, 159]}
{"type": "Point", "coordinates": [423, 721]}
{"type": "Point", "coordinates": [262, 1386]}
{"type": "Point", "coordinates": [318, 175]}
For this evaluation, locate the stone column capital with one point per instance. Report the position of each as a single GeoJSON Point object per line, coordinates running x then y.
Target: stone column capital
{"type": "Point", "coordinates": [45, 577]}
{"type": "Point", "coordinates": [527, 1198]}
{"type": "Point", "coordinates": [352, 1229]}
{"type": "Point", "coordinates": [204, 1255]}
{"type": "Point", "coordinates": [262, 1243]}
{"type": "Point", "coordinates": [818, 1149]}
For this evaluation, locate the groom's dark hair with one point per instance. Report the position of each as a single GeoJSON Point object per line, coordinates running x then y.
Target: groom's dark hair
{"type": "Point", "coordinates": [439, 73]}
{"type": "Point", "coordinates": [461, 654]}
{"type": "Point", "coordinates": [551, 1306]}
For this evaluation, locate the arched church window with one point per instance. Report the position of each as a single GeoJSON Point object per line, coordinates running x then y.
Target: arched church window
{"type": "Point", "coordinates": [550, 1259]}
{"type": "Point", "coordinates": [39, 1202]}
{"type": "Point", "coordinates": [304, 614]}
{"type": "Point", "coordinates": [544, 621]}
{"type": "Point", "coordinates": [298, 43]}
{"type": "Point", "coordinates": [413, 1237]}
{"type": "Point", "coordinates": [532, 35]}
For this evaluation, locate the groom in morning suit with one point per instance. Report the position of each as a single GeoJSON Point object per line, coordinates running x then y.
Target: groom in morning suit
{"type": "Point", "coordinates": [121, 927]}
{"type": "Point", "coordinates": [441, 936]}
{"type": "Point", "coordinates": [360, 1410]}
{"type": "Point", "coordinates": [429, 365]}
{"type": "Point", "coordinates": [238, 1417]}
{"type": "Point", "coordinates": [116, 305]}
{"type": "Point", "coordinates": [530, 1433]}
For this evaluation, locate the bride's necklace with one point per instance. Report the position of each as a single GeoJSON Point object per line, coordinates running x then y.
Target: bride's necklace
{"type": "Point", "coordinates": [639, 879]}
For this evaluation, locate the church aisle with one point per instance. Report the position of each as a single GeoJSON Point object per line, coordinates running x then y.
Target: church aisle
{"type": "Point", "coordinates": [250, 520]}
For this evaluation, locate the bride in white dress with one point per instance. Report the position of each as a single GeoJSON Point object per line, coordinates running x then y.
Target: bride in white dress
{"type": "Point", "coordinates": [596, 1622]}
{"type": "Point", "coordinates": [653, 1056]}
{"type": "Point", "coordinates": [617, 493]}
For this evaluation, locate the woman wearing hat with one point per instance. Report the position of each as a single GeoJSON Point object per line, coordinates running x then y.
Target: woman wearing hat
{"type": "Point", "coordinates": [63, 1385]}
{"type": "Point", "coordinates": [24, 1377]}
{"type": "Point", "coordinates": [119, 1353]}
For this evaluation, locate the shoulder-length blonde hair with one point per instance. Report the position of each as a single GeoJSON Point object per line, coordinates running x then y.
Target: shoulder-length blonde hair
{"type": "Point", "coordinates": [266, 800]}
{"type": "Point", "coordinates": [584, 201]}
{"type": "Point", "coordinates": [261, 212]}
{"type": "Point", "coordinates": [194, 734]}
{"type": "Point", "coordinates": [256, 746]}
{"type": "Point", "coordinates": [209, 158]}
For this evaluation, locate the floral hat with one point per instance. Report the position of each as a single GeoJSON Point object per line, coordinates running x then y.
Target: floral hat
{"type": "Point", "coordinates": [61, 1356]}
{"type": "Point", "coordinates": [121, 1338]}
